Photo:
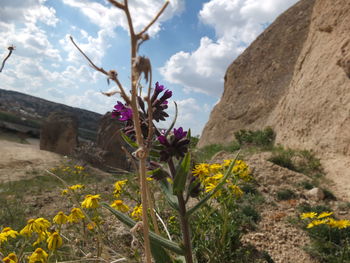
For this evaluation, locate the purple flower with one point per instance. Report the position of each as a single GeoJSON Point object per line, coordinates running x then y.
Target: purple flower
{"type": "Point", "coordinates": [163, 140]}
{"type": "Point", "coordinates": [179, 133]}
{"type": "Point", "coordinates": [159, 88]}
{"type": "Point", "coordinates": [120, 110]}
{"type": "Point", "coordinates": [125, 115]}
{"type": "Point", "coordinates": [173, 146]}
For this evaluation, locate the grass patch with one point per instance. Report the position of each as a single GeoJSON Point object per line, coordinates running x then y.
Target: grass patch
{"type": "Point", "coordinates": [301, 161]}
{"type": "Point", "coordinates": [259, 138]}
{"type": "Point", "coordinates": [207, 152]}
{"type": "Point", "coordinates": [285, 194]}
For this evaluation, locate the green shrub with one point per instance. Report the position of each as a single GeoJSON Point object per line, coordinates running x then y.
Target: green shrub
{"type": "Point", "coordinates": [306, 185]}
{"type": "Point", "coordinates": [261, 138]}
{"type": "Point", "coordinates": [283, 158]}
{"type": "Point", "coordinates": [285, 194]}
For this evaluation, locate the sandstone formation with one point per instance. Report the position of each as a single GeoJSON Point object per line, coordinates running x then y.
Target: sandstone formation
{"type": "Point", "coordinates": [295, 78]}
{"type": "Point", "coordinates": [59, 133]}
{"type": "Point", "coordinates": [110, 141]}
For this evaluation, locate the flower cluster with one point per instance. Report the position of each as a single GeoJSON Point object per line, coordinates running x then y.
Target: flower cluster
{"type": "Point", "coordinates": [159, 103]}
{"type": "Point", "coordinates": [324, 218]}
{"type": "Point", "coordinates": [174, 145]}
{"type": "Point", "coordinates": [210, 175]}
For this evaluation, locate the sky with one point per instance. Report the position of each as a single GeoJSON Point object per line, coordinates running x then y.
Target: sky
{"type": "Point", "coordinates": [190, 48]}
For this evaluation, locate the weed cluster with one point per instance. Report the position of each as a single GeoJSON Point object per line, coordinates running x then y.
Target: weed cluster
{"type": "Point", "coordinates": [301, 161]}
{"type": "Point", "coordinates": [259, 138]}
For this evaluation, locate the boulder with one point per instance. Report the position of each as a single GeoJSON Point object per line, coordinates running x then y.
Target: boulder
{"type": "Point", "coordinates": [110, 141]}
{"type": "Point", "coordinates": [315, 194]}
{"type": "Point", "coordinates": [59, 133]}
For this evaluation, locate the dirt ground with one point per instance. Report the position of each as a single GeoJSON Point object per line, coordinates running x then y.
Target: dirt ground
{"type": "Point", "coordinates": [18, 161]}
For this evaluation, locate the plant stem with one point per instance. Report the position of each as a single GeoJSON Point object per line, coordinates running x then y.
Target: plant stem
{"type": "Point", "coordinates": [186, 236]}
{"type": "Point", "coordinates": [185, 229]}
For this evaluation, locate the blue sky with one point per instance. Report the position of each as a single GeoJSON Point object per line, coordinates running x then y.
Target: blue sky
{"type": "Point", "coordinates": [191, 47]}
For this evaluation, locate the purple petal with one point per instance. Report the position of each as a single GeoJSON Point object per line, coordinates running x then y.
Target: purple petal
{"type": "Point", "coordinates": [179, 133]}
{"type": "Point", "coordinates": [163, 140]}
{"type": "Point", "coordinates": [159, 88]}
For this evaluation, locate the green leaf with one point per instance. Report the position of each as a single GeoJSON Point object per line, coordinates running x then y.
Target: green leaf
{"type": "Point", "coordinates": [173, 123]}
{"type": "Point", "coordinates": [168, 192]}
{"type": "Point", "coordinates": [217, 188]}
{"type": "Point", "coordinates": [181, 174]}
{"type": "Point", "coordinates": [159, 240]}
{"type": "Point", "coordinates": [128, 140]}
{"type": "Point", "coordinates": [160, 255]}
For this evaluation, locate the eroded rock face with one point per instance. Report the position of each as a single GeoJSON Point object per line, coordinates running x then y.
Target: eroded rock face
{"type": "Point", "coordinates": [59, 133]}
{"type": "Point", "coordinates": [110, 141]}
{"type": "Point", "coordinates": [295, 78]}
{"type": "Point", "coordinates": [259, 77]}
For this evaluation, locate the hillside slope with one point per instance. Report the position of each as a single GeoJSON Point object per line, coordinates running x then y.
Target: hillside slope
{"type": "Point", "coordinates": [295, 78]}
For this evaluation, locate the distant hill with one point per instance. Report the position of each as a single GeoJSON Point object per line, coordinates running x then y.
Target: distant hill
{"type": "Point", "coordinates": [30, 111]}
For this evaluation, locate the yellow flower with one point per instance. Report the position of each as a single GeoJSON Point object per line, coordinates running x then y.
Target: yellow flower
{"type": "Point", "coordinates": [119, 205]}
{"type": "Point", "coordinates": [41, 225]}
{"type": "Point", "coordinates": [236, 190]}
{"type": "Point", "coordinates": [76, 186]}
{"type": "Point", "coordinates": [38, 255]}
{"type": "Point", "coordinates": [118, 187]}
{"type": "Point", "coordinates": [11, 258]}
{"type": "Point", "coordinates": [150, 179]}
{"type": "Point", "coordinates": [3, 238]}
{"type": "Point", "coordinates": [64, 192]}
{"type": "Point", "coordinates": [342, 224]}
{"type": "Point", "coordinates": [324, 214]}
{"type": "Point", "coordinates": [316, 223]}
{"type": "Point", "coordinates": [75, 215]}
{"type": "Point", "coordinates": [308, 215]}
{"type": "Point", "coordinates": [214, 168]}
{"type": "Point", "coordinates": [201, 171]}
{"type": "Point", "coordinates": [137, 212]}
{"type": "Point", "coordinates": [35, 225]}
{"type": "Point", "coordinates": [209, 187]}
{"type": "Point", "coordinates": [60, 218]}
{"type": "Point", "coordinates": [227, 163]}
{"type": "Point", "coordinates": [91, 201]}
{"type": "Point", "coordinates": [8, 260]}
{"type": "Point", "coordinates": [54, 241]}
{"type": "Point", "coordinates": [91, 225]}
{"type": "Point", "coordinates": [9, 232]}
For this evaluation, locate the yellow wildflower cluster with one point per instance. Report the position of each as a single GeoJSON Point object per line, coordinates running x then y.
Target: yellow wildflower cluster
{"type": "Point", "coordinates": [73, 188]}
{"type": "Point", "coordinates": [210, 175]}
{"type": "Point", "coordinates": [136, 214]}
{"type": "Point", "coordinates": [324, 219]}
{"type": "Point", "coordinates": [118, 187]}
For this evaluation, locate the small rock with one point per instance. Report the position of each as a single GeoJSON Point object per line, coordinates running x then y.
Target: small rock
{"type": "Point", "coordinates": [315, 194]}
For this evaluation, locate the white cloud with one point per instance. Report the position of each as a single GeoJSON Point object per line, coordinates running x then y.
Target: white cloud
{"type": "Point", "coordinates": [191, 114]}
{"type": "Point", "coordinates": [237, 23]}
{"type": "Point", "coordinates": [142, 11]}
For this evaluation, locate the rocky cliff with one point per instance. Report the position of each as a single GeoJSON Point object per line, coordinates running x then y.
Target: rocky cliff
{"type": "Point", "coordinates": [294, 77]}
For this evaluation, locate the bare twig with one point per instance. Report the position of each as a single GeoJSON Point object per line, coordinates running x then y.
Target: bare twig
{"type": "Point", "coordinates": [112, 74]}
{"type": "Point", "coordinates": [117, 4]}
{"type": "Point", "coordinates": [154, 19]}
{"type": "Point", "coordinates": [11, 49]}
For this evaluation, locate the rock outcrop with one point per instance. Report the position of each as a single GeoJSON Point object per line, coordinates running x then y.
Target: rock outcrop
{"type": "Point", "coordinates": [59, 133]}
{"type": "Point", "coordinates": [110, 141]}
{"type": "Point", "coordinates": [295, 78]}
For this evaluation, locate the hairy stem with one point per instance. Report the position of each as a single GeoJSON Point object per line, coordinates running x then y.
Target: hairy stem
{"type": "Point", "coordinates": [185, 228]}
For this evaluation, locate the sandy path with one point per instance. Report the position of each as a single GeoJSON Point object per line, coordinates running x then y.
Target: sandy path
{"type": "Point", "coordinates": [18, 161]}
